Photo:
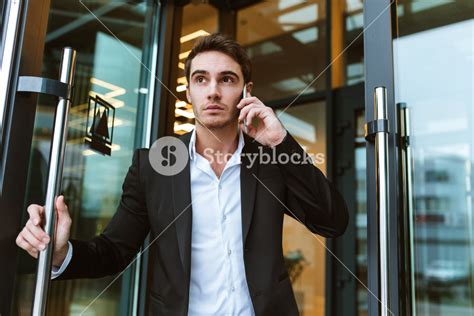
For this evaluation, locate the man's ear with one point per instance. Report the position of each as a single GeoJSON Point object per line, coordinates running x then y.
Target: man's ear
{"type": "Point", "coordinates": [187, 95]}
{"type": "Point", "coordinates": [249, 87]}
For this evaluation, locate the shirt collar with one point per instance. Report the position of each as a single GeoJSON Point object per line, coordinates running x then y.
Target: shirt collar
{"type": "Point", "coordinates": [192, 145]}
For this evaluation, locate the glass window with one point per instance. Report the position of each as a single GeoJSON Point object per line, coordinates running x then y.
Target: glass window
{"type": "Point", "coordinates": [304, 252]}
{"type": "Point", "coordinates": [354, 41]}
{"type": "Point", "coordinates": [361, 215]}
{"type": "Point", "coordinates": [347, 42]}
{"type": "Point", "coordinates": [198, 20]}
{"type": "Point", "coordinates": [434, 76]}
{"type": "Point", "coordinates": [2, 19]}
{"type": "Point", "coordinates": [108, 66]}
{"type": "Point", "coordinates": [286, 41]}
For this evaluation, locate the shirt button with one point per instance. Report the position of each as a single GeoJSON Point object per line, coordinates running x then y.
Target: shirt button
{"type": "Point", "coordinates": [229, 252]}
{"type": "Point", "coordinates": [224, 217]}
{"type": "Point", "coordinates": [233, 289]}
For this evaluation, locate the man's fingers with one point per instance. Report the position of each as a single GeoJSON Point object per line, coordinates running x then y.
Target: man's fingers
{"type": "Point", "coordinates": [37, 231]}
{"type": "Point", "coordinates": [32, 240]}
{"type": "Point", "coordinates": [60, 204]}
{"type": "Point", "coordinates": [247, 101]}
{"type": "Point", "coordinates": [25, 245]}
{"type": "Point", "coordinates": [251, 115]}
{"type": "Point", "coordinates": [244, 112]}
{"type": "Point", "coordinates": [62, 213]}
{"type": "Point", "coordinates": [259, 112]}
{"type": "Point", "coordinates": [36, 212]}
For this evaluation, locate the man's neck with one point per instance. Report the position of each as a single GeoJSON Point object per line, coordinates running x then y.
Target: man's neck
{"type": "Point", "coordinates": [224, 140]}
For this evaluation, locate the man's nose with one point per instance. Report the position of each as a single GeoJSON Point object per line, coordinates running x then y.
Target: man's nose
{"type": "Point", "coordinates": [213, 91]}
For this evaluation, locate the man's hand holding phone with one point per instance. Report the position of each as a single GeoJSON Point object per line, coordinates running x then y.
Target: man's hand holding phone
{"type": "Point", "coordinates": [259, 121]}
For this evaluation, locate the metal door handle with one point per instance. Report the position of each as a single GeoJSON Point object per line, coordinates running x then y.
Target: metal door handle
{"type": "Point", "coordinates": [58, 144]}
{"type": "Point", "coordinates": [406, 202]}
{"type": "Point", "coordinates": [377, 131]}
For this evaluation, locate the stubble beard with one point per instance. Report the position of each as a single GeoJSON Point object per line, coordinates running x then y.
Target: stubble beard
{"type": "Point", "coordinates": [219, 124]}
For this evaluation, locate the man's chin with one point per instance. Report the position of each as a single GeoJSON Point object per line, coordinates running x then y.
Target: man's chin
{"type": "Point", "coordinates": [217, 124]}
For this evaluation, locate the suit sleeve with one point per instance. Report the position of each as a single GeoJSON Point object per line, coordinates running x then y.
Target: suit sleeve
{"type": "Point", "coordinates": [112, 251]}
{"type": "Point", "coordinates": [311, 198]}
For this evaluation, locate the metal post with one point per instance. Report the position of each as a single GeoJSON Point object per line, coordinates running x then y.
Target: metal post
{"type": "Point", "coordinates": [382, 194]}
{"type": "Point", "coordinates": [43, 275]}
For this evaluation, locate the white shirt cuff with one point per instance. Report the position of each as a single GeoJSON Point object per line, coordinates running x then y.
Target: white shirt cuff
{"type": "Point", "coordinates": [55, 272]}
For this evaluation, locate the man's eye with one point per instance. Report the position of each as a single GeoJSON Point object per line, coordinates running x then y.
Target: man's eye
{"type": "Point", "coordinates": [228, 79]}
{"type": "Point", "coordinates": [199, 79]}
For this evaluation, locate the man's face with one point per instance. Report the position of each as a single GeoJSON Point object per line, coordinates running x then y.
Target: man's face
{"type": "Point", "coordinates": [214, 88]}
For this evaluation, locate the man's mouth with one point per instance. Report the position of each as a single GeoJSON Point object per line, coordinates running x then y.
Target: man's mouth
{"type": "Point", "coordinates": [213, 108]}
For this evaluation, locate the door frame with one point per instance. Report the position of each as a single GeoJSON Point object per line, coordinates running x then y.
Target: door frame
{"type": "Point", "coordinates": [380, 27]}
{"type": "Point", "coordinates": [341, 284]}
{"type": "Point", "coordinates": [18, 132]}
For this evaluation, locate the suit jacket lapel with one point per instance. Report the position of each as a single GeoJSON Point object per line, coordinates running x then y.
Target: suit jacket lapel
{"type": "Point", "coordinates": [181, 183]}
{"type": "Point", "coordinates": [248, 185]}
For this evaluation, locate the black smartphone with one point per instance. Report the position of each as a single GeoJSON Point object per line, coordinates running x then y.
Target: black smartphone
{"type": "Point", "coordinates": [244, 95]}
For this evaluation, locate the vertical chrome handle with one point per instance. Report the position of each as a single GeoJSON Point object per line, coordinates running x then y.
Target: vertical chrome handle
{"type": "Point", "coordinates": [407, 201]}
{"type": "Point", "coordinates": [8, 53]}
{"type": "Point", "coordinates": [382, 193]}
{"type": "Point", "coordinates": [58, 144]}
{"type": "Point", "coordinates": [377, 131]}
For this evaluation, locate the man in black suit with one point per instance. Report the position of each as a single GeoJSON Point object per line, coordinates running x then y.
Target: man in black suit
{"type": "Point", "coordinates": [216, 225]}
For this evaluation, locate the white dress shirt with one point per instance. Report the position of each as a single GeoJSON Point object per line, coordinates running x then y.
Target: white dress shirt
{"type": "Point", "coordinates": [55, 272]}
{"type": "Point", "coordinates": [218, 284]}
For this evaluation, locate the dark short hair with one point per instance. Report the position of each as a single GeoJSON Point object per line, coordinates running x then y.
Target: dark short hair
{"type": "Point", "coordinates": [220, 43]}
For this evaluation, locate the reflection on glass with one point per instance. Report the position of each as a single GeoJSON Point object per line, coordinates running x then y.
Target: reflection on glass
{"type": "Point", "coordinates": [347, 44]}
{"type": "Point", "coordinates": [437, 87]}
{"type": "Point", "coordinates": [305, 252]}
{"type": "Point", "coordinates": [198, 20]}
{"type": "Point", "coordinates": [91, 182]}
{"type": "Point", "coordinates": [286, 43]}
{"type": "Point", "coordinates": [2, 18]}
{"type": "Point", "coordinates": [353, 42]}
{"type": "Point", "coordinates": [361, 216]}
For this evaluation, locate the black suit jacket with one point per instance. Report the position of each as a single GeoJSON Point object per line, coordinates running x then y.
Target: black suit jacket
{"type": "Point", "coordinates": [150, 202]}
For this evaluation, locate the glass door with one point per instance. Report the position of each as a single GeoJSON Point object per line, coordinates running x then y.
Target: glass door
{"type": "Point", "coordinates": [114, 41]}
{"type": "Point", "coordinates": [422, 53]}
{"type": "Point", "coordinates": [434, 79]}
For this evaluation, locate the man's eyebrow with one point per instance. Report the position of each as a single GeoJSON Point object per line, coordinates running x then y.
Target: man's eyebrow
{"type": "Point", "coordinates": [222, 73]}
{"type": "Point", "coordinates": [229, 72]}
{"type": "Point", "coordinates": [199, 71]}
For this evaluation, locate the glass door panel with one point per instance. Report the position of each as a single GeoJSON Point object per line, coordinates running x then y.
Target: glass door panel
{"type": "Point", "coordinates": [199, 19]}
{"type": "Point", "coordinates": [433, 67]}
{"type": "Point", "coordinates": [361, 215]}
{"type": "Point", "coordinates": [277, 34]}
{"type": "Point", "coordinates": [305, 253]}
{"type": "Point", "coordinates": [110, 46]}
